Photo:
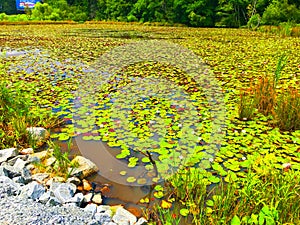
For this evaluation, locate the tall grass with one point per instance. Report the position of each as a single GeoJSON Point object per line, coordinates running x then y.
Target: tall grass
{"type": "Point", "coordinates": [269, 198]}
{"type": "Point", "coordinates": [287, 112]}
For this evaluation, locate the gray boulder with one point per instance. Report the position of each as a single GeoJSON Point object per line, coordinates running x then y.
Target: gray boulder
{"type": "Point", "coordinates": [33, 190]}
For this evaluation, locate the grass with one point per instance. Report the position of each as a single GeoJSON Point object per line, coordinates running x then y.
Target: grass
{"type": "Point", "coordinates": [287, 111]}
{"type": "Point", "coordinates": [16, 114]}
{"type": "Point", "coordinates": [263, 97]}
{"type": "Point", "coordinates": [255, 199]}
{"type": "Point", "coordinates": [62, 166]}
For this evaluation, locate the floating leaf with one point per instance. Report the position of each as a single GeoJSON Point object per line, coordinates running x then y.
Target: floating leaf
{"type": "Point", "coordinates": [131, 179]}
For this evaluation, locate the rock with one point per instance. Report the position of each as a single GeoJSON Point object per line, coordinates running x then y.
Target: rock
{"type": "Point", "coordinates": [53, 202]}
{"type": "Point", "coordinates": [91, 208]}
{"type": "Point", "coordinates": [85, 167]}
{"type": "Point", "coordinates": [3, 171]}
{"type": "Point", "coordinates": [38, 134]}
{"type": "Point", "coordinates": [135, 211]}
{"type": "Point", "coordinates": [19, 164]}
{"type": "Point", "coordinates": [8, 186]}
{"type": "Point", "coordinates": [11, 171]}
{"type": "Point", "coordinates": [38, 156]}
{"type": "Point", "coordinates": [45, 197]}
{"type": "Point", "coordinates": [88, 197]}
{"type": "Point", "coordinates": [97, 198]}
{"type": "Point", "coordinates": [102, 217]}
{"type": "Point", "coordinates": [19, 180]}
{"type": "Point", "coordinates": [104, 209]}
{"type": "Point", "coordinates": [8, 153]}
{"type": "Point", "coordinates": [77, 199]}
{"type": "Point", "coordinates": [123, 217]}
{"type": "Point", "coordinates": [27, 151]}
{"type": "Point", "coordinates": [58, 179]}
{"type": "Point", "coordinates": [14, 159]}
{"type": "Point", "coordinates": [64, 192]}
{"type": "Point", "coordinates": [86, 185]}
{"type": "Point", "coordinates": [33, 190]}
{"type": "Point", "coordinates": [141, 221]}
{"type": "Point", "coordinates": [25, 173]}
{"type": "Point", "coordinates": [74, 180]}
{"type": "Point", "coordinates": [33, 159]}
{"type": "Point", "coordinates": [52, 185]}
{"type": "Point", "coordinates": [40, 177]}
{"type": "Point", "coordinates": [49, 161]}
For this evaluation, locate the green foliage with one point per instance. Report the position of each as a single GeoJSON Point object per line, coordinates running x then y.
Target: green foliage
{"type": "Point", "coordinates": [254, 21]}
{"type": "Point", "coordinates": [281, 11]}
{"type": "Point", "coordinates": [255, 199]}
{"type": "Point", "coordinates": [247, 105]}
{"type": "Point", "coordinates": [197, 13]}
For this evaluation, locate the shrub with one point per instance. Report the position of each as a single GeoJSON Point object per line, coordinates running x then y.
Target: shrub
{"type": "Point", "coordinates": [254, 21]}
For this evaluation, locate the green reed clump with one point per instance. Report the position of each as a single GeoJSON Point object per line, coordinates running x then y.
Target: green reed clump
{"type": "Point", "coordinates": [287, 111]}
{"type": "Point", "coordinates": [61, 166]}
{"type": "Point", "coordinates": [265, 95]}
{"type": "Point", "coordinates": [247, 105]}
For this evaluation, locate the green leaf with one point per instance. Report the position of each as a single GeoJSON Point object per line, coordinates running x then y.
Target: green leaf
{"type": "Point", "coordinates": [184, 212]}
{"type": "Point", "coordinates": [235, 220]}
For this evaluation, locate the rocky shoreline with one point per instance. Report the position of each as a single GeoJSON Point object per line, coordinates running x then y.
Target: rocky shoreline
{"type": "Point", "coordinates": [27, 198]}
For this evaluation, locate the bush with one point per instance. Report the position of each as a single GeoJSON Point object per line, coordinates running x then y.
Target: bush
{"type": "Point", "coordinates": [254, 21]}
{"type": "Point", "coordinates": [3, 17]}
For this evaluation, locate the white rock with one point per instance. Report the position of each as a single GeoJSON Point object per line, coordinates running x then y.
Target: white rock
{"type": "Point", "coordinates": [33, 190]}
{"type": "Point", "coordinates": [19, 164]}
{"type": "Point", "coordinates": [64, 192]}
{"type": "Point", "coordinates": [86, 167]}
{"type": "Point", "coordinates": [102, 217]}
{"type": "Point", "coordinates": [91, 208]}
{"type": "Point", "coordinates": [141, 221]}
{"type": "Point", "coordinates": [77, 199]}
{"type": "Point", "coordinates": [40, 177]}
{"type": "Point", "coordinates": [45, 197]}
{"type": "Point", "coordinates": [104, 209]}
{"type": "Point", "coordinates": [5, 154]}
{"type": "Point", "coordinates": [27, 151]}
{"type": "Point", "coordinates": [8, 186]}
{"type": "Point", "coordinates": [74, 180]}
{"type": "Point", "coordinates": [97, 198]}
{"type": "Point", "coordinates": [88, 197]}
{"type": "Point", "coordinates": [50, 161]}
{"type": "Point", "coordinates": [123, 216]}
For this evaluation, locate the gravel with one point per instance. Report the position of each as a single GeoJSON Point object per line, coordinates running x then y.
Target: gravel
{"type": "Point", "coordinates": [18, 210]}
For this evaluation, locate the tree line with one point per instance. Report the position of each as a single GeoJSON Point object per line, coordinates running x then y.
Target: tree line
{"type": "Point", "coordinates": [197, 13]}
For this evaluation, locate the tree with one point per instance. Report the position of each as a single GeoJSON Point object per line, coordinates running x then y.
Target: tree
{"type": "Point", "coordinates": [281, 11]}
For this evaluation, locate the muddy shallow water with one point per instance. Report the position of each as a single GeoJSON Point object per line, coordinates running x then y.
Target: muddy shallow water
{"type": "Point", "coordinates": [118, 193]}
